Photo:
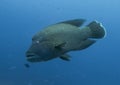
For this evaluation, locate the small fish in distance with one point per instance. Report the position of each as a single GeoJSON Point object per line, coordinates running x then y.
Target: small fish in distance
{"type": "Point", "coordinates": [27, 65]}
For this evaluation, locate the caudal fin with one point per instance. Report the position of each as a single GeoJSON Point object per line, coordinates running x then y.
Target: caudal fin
{"type": "Point", "coordinates": [98, 31]}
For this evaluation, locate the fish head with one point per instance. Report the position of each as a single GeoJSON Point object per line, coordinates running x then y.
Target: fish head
{"type": "Point", "coordinates": [40, 51]}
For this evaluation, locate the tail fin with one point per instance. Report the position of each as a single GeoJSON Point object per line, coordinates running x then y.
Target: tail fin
{"type": "Point", "coordinates": [97, 30]}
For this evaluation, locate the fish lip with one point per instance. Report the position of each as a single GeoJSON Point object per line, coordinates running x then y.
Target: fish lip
{"type": "Point", "coordinates": [33, 60]}
{"type": "Point", "coordinates": [31, 57]}
{"type": "Point", "coordinates": [29, 54]}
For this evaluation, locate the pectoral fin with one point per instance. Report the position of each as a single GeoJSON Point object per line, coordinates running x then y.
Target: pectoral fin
{"type": "Point", "coordinates": [65, 57]}
{"type": "Point", "coordinates": [60, 46]}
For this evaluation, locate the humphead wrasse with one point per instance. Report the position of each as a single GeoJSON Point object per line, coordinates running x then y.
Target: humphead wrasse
{"type": "Point", "coordinates": [56, 40]}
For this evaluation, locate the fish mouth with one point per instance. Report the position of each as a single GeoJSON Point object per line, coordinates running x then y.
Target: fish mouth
{"type": "Point", "coordinates": [31, 57]}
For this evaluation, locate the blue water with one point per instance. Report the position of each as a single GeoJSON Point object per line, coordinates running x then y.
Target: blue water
{"type": "Point", "coordinates": [21, 19]}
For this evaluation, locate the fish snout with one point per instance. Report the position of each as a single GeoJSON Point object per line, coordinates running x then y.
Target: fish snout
{"type": "Point", "coordinates": [29, 54]}
{"type": "Point", "coordinates": [32, 57]}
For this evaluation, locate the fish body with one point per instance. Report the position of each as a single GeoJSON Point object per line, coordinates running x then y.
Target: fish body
{"type": "Point", "coordinates": [58, 39]}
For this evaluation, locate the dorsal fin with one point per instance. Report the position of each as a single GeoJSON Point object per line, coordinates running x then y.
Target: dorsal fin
{"type": "Point", "coordinates": [75, 22]}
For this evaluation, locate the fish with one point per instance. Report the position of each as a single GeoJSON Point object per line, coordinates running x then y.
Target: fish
{"type": "Point", "coordinates": [57, 40]}
{"type": "Point", "coordinates": [26, 65]}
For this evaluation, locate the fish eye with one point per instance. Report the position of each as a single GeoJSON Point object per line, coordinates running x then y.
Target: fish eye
{"type": "Point", "coordinates": [37, 41]}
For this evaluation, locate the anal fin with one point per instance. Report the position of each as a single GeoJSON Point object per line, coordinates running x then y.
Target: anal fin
{"type": "Point", "coordinates": [86, 43]}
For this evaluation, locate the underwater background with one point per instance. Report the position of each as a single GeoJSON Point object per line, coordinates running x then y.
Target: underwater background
{"type": "Point", "coordinates": [96, 65]}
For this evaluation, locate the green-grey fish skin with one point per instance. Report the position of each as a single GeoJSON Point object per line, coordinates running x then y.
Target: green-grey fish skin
{"type": "Point", "coordinates": [58, 39]}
